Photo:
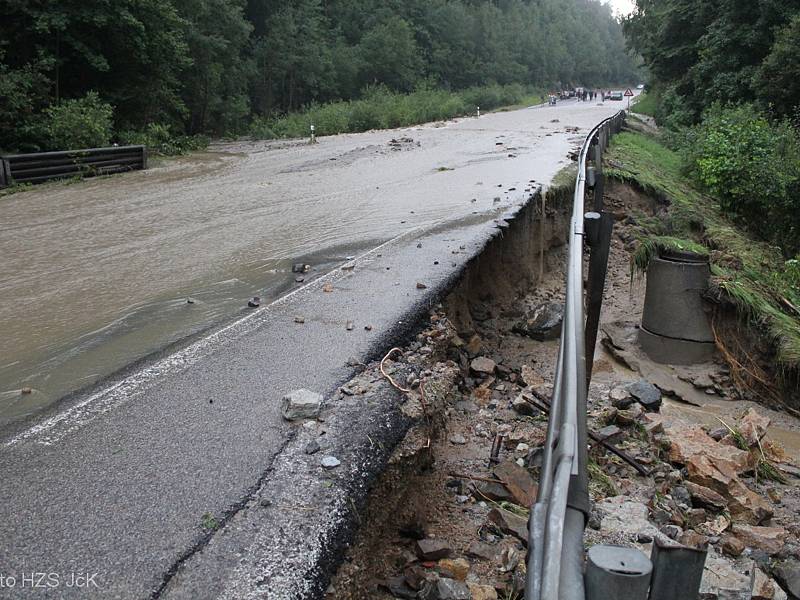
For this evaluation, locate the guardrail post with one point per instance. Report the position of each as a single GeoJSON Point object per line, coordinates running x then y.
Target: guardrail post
{"type": "Point", "coordinates": [617, 573]}
{"type": "Point", "coordinates": [598, 267]}
{"type": "Point", "coordinates": [677, 572]}
{"type": "Point", "coordinates": [5, 177]}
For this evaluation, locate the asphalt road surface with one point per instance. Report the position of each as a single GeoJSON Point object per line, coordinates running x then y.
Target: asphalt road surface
{"type": "Point", "coordinates": [119, 480]}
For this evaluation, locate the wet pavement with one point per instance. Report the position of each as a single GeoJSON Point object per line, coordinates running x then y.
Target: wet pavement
{"type": "Point", "coordinates": [124, 480]}
{"type": "Point", "coordinates": [96, 274]}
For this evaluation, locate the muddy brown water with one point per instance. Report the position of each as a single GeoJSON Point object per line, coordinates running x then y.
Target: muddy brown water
{"type": "Point", "coordinates": [96, 275]}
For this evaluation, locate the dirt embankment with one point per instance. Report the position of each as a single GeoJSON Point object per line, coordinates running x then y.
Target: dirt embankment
{"type": "Point", "coordinates": [447, 518]}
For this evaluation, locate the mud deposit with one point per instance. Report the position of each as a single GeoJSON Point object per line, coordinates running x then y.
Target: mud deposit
{"type": "Point", "coordinates": [97, 274]}
{"type": "Point", "coordinates": [443, 491]}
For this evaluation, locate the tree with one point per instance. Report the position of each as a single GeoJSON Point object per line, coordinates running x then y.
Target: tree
{"type": "Point", "coordinates": [390, 55]}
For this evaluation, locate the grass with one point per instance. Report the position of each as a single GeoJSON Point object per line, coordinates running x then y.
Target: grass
{"type": "Point", "coordinates": [650, 246]}
{"type": "Point", "coordinates": [646, 104]}
{"type": "Point", "coordinates": [380, 108]}
{"type": "Point", "coordinates": [209, 522]}
{"type": "Point", "coordinates": [600, 483]}
{"type": "Point", "coordinates": [750, 273]}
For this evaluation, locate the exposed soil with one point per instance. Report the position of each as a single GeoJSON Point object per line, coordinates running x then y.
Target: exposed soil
{"type": "Point", "coordinates": [439, 484]}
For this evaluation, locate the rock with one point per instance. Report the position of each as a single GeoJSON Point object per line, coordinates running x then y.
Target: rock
{"type": "Point", "coordinates": [523, 407]}
{"type": "Point", "coordinates": [415, 575]}
{"type": "Point", "coordinates": [718, 433]}
{"type": "Point", "coordinates": [761, 586]}
{"type": "Point", "coordinates": [421, 286]}
{"type": "Point", "coordinates": [312, 447]}
{"type": "Point", "coordinates": [691, 441]}
{"type": "Point", "coordinates": [731, 545]}
{"type": "Point", "coordinates": [625, 517]}
{"type": "Point", "coordinates": [300, 268]}
{"type": "Point", "coordinates": [644, 537]}
{"type": "Point", "coordinates": [482, 550]}
{"type": "Point", "coordinates": [327, 288]}
{"type": "Point", "coordinates": [715, 527]}
{"type": "Point", "coordinates": [681, 495]}
{"type": "Point", "coordinates": [458, 567]}
{"type": "Point", "coordinates": [788, 575]}
{"type": "Point", "coordinates": [482, 592]}
{"type": "Point", "coordinates": [299, 320]}
{"type": "Point", "coordinates": [458, 439]}
{"type": "Point", "coordinates": [769, 539]}
{"type": "Point", "coordinates": [445, 589]}
{"type": "Point", "coordinates": [723, 580]}
{"type": "Point", "coordinates": [510, 524]}
{"type": "Point", "coordinates": [608, 432]}
{"type": "Point", "coordinates": [629, 416]}
{"type": "Point", "coordinates": [753, 426]}
{"type": "Point", "coordinates": [398, 588]}
{"type": "Point", "coordinates": [542, 323]}
{"type": "Point", "coordinates": [744, 505]}
{"type": "Point", "coordinates": [775, 495]}
{"type": "Point", "coordinates": [490, 490]}
{"type": "Point", "coordinates": [254, 302]}
{"type": "Point", "coordinates": [702, 381]}
{"type": "Point", "coordinates": [349, 326]}
{"type": "Point", "coordinates": [695, 516]}
{"type": "Point", "coordinates": [518, 482]}
{"type": "Point", "coordinates": [301, 404]}
{"type": "Point", "coordinates": [509, 559]}
{"type": "Point", "coordinates": [692, 539]}
{"type": "Point", "coordinates": [648, 395]}
{"type": "Point", "coordinates": [474, 345]}
{"type": "Point", "coordinates": [673, 532]}
{"type": "Point", "coordinates": [432, 549]}
{"type": "Point", "coordinates": [483, 366]}
{"type": "Point", "coordinates": [703, 496]}
{"type": "Point", "coordinates": [330, 462]}
{"type": "Point", "coordinates": [531, 377]}
{"type": "Point", "coordinates": [620, 397]}
{"type": "Point", "coordinates": [595, 519]}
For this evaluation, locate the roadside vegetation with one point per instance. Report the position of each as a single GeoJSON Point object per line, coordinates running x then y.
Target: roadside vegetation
{"type": "Point", "coordinates": [169, 73]}
{"type": "Point", "coordinates": [724, 88]}
{"type": "Point", "coordinates": [380, 108]}
{"type": "Point", "coordinates": [753, 274]}
{"type": "Point", "coordinates": [646, 104]}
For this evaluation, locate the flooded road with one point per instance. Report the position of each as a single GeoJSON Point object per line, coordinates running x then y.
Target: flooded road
{"type": "Point", "coordinates": [96, 275]}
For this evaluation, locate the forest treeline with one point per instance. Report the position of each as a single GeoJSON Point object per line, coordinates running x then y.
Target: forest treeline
{"type": "Point", "coordinates": [213, 66]}
{"type": "Point", "coordinates": [724, 80]}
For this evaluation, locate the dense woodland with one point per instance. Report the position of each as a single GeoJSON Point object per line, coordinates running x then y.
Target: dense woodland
{"type": "Point", "coordinates": [725, 82]}
{"type": "Point", "coordinates": [211, 66]}
{"type": "Point", "coordinates": [731, 51]}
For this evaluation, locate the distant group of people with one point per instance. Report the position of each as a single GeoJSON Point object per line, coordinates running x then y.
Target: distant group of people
{"type": "Point", "coordinates": [580, 93]}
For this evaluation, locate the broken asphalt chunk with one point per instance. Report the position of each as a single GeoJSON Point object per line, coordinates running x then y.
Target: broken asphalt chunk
{"type": "Point", "coordinates": [301, 404]}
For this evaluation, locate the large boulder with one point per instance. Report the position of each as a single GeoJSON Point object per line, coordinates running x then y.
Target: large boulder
{"type": "Point", "coordinates": [542, 323]}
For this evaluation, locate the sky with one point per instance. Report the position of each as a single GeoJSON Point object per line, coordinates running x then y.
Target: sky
{"type": "Point", "coordinates": [621, 7]}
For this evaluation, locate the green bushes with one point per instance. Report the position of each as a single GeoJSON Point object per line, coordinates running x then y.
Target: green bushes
{"type": "Point", "coordinates": [380, 108]}
{"type": "Point", "coordinates": [81, 123]}
{"type": "Point", "coordinates": [160, 140]}
{"type": "Point", "coordinates": [752, 167]}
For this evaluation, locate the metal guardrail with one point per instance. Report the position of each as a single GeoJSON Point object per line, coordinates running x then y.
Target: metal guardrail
{"type": "Point", "coordinates": [557, 521]}
{"type": "Point", "coordinates": [43, 166]}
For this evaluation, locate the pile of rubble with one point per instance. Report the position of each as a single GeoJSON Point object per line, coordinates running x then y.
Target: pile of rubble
{"type": "Point", "coordinates": [727, 489]}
